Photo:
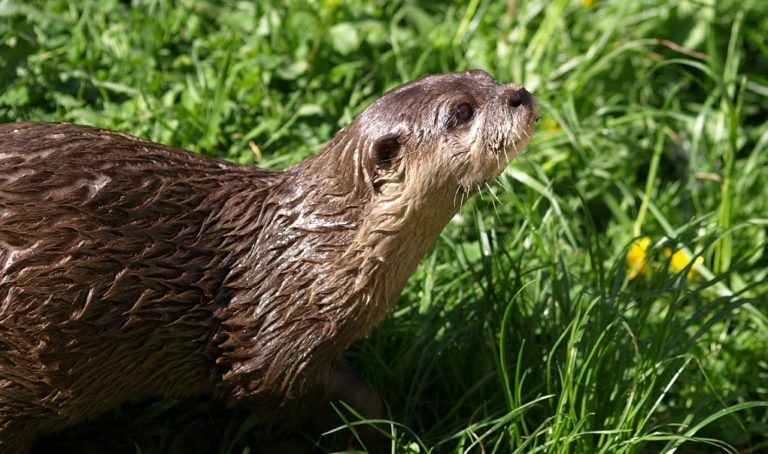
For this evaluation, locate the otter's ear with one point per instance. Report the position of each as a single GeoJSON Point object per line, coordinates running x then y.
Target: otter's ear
{"type": "Point", "coordinates": [385, 152]}
{"type": "Point", "coordinates": [384, 155]}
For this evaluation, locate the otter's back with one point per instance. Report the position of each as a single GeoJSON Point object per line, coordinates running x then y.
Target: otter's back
{"type": "Point", "coordinates": [105, 234]}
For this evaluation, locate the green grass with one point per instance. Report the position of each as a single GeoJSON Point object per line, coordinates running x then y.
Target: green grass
{"type": "Point", "coordinates": [520, 331]}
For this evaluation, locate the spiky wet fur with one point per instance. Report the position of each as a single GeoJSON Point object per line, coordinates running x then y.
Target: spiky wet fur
{"type": "Point", "coordinates": [130, 269]}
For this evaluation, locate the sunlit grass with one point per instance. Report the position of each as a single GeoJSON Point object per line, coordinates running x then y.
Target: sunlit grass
{"type": "Point", "coordinates": [527, 328]}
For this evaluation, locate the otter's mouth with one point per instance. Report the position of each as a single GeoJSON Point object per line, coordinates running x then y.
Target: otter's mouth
{"type": "Point", "coordinates": [503, 143]}
{"type": "Point", "coordinates": [520, 130]}
{"type": "Point", "coordinates": [522, 136]}
{"type": "Point", "coordinates": [524, 130]}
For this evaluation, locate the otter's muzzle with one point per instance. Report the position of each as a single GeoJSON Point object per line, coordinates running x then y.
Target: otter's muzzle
{"type": "Point", "coordinates": [519, 97]}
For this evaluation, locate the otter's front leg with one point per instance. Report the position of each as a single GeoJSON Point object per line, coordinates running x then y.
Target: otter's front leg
{"type": "Point", "coordinates": [342, 384]}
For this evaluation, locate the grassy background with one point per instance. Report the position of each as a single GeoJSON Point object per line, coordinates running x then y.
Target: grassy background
{"type": "Point", "coordinates": [521, 331]}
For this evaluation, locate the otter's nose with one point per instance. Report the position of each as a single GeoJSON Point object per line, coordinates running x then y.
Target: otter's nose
{"type": "Point", "coordinates": [519, 96]}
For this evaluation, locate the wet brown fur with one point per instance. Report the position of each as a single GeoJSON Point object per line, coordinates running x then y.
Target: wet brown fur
{"type": "Point", "coordinates": [130, 269]}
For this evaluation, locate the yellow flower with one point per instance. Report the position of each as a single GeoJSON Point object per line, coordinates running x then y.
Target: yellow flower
{"type": "Point", "coordinates": [588, 3]}
{"type": "Point", "coordinates": [680, 261]}
{"type": "Point", "coordinates": [637, 259]}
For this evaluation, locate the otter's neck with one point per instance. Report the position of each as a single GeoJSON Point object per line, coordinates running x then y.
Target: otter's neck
{"type": "Point", "coordinates": [394, 236]}
{"type": "Point", "coordinates": [318, 259]}
{"type": "Point", "coordinates": [394, 230]}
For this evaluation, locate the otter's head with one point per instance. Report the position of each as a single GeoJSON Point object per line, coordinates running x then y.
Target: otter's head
{"type": "Point", "coordinates": [417, 152]}
{"type": "Point", "coordinates": [444, 134]}
{"type": "Point", "coordinates": [382, 190]}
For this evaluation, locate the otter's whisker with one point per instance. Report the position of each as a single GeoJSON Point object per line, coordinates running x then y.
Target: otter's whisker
{"type": "Point", "coordinates": [458, 188]}
{"type": "Point", "coordinates": [494, 199]}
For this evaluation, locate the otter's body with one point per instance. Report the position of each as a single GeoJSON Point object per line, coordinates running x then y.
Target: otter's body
{"type": "Point", "coordinates": [130, 269]}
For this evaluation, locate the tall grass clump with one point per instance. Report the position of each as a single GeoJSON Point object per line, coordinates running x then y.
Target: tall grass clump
{"type": "Point", "coordinates": [607, 294]}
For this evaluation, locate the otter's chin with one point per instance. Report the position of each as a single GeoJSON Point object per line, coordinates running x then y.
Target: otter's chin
{"type": "Point", "coordinates": [517, 148]}
{"type": "Point", "coordinates": [472, 181]}
{"type": "Point", "coordinates": [490, 166]}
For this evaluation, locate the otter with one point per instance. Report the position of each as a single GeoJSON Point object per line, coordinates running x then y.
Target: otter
{"type": "Point", "coordinates": [130, 269]}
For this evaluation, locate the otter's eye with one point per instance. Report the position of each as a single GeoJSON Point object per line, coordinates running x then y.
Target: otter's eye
{"type": "Point", "coordinates": [464, 113]}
